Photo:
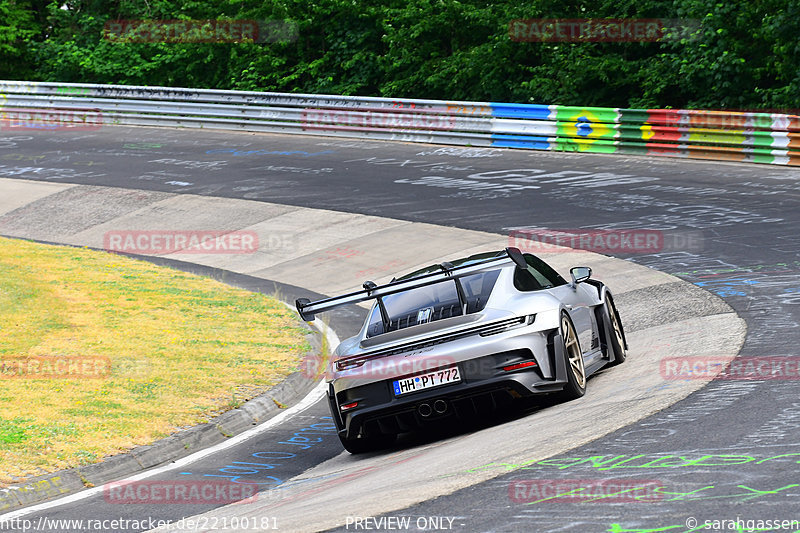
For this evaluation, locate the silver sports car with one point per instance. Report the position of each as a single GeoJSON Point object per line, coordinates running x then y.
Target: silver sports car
{"type": "Point", "coordinates": [466, 337]}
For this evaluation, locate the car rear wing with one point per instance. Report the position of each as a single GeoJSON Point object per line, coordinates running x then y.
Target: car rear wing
{"type": "Point", "coordinates": [309, 309]}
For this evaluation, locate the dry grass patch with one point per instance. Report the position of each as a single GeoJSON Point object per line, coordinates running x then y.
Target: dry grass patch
{"type": "Point", "coordinates": [181, 348]}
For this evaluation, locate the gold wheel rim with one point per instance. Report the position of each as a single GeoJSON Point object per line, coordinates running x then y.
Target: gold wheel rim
{"type": "Point", "coordinates": [573, 350]}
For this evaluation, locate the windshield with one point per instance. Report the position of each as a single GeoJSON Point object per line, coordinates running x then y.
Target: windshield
{"type": "Point", "coordinates": [433, 302]}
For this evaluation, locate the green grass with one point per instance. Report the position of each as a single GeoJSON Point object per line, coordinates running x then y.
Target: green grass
{"type": "Point", "coordinates": [181, 348]}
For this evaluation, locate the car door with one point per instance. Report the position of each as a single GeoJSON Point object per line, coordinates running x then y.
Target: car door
{"type": "Point", "coordinates": [576, 302]}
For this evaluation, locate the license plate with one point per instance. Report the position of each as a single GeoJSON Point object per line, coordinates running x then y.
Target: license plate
{"type": "Point", "coordinates": [426, 381]}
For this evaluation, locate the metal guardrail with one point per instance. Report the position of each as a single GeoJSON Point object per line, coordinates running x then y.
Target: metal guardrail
{"type": "Point", "coordinates": [721, 135]}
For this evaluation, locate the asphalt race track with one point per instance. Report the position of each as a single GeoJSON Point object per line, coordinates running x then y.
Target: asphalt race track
{"type": "Point", "coordinates": [727, 452]}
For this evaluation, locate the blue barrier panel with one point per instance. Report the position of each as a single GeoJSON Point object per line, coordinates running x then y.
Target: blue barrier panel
{"type": "Point", "coordinates": [526, 111]}
{"type": "Point", "coordinates": [520, 141]}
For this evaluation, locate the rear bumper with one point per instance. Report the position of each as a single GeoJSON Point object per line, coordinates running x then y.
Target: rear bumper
{"type": "Point", "coordinates": [484, 388]}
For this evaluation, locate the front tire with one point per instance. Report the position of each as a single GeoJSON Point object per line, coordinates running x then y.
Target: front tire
{"type": "Point", "coordinates": [576, 372]}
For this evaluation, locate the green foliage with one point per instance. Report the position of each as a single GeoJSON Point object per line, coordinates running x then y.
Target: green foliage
{"type": "Point", "coordinates": [18, 26]}
{"type": "Point", "coordinates": [740, 55]}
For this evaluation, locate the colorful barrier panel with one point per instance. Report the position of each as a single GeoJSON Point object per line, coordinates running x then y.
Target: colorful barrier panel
{"type": "Point", "coordinates": [772, 138]}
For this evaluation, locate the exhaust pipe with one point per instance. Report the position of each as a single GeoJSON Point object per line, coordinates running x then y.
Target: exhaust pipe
{"type": "Point", "coordinates": [424, 410]}
{"type": "Point", "coordinates": [440, 406]}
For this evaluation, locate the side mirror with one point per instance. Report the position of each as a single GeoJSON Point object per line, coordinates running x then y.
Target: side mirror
{"type": "Point", "coordinates": [579, 274]}
{"type": "Point", "coordinates": [517, 257]}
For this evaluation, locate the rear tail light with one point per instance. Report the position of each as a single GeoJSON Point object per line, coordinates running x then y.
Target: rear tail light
{"type": "Point", "coordinates": [348, 406]}
{"type": "Point", "coordinates": [517, 366]}
{"type": "Point", "coordinates": [346, 365]}
{"type": "Point", "coordinates": [509, 324]}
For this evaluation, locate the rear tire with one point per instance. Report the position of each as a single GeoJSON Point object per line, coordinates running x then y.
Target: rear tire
{"type": "Point", "coordinates": [367, 444]}
{"type": "Point", "coordinates": [617, 342]}
{"type": "Point", "coordinates": [576, 372]}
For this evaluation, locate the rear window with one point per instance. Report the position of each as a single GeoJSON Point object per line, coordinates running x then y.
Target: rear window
{"type": "Point", "coordinates": [433, 302]}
